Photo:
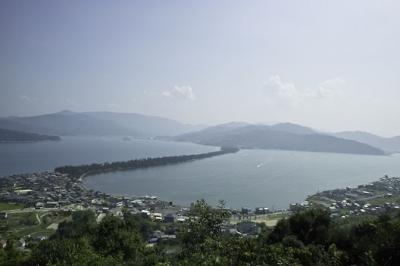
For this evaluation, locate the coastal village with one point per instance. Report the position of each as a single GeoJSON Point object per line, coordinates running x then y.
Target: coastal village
{"type": "Point", "coordinates": [59, 194]}
{"type": "Point", "coordinates": [371, 199]}
{"type": "Point", "coordinates": [50, 190]}
{"type": "Point", "coordinates": [54, 195]}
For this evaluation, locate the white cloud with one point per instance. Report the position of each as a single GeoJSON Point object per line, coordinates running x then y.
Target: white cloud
{"type": "Point", "coordinates": [277, 88]}
{"type": "Point", "coordinates": [112, 106]}
{"type": "Point", "coordinates": [330, 87]}
{"type": "Point", "coordinates": [184, 92]}
{"type": "Point", "coordinates": [27, 98]}
{"type": "Point", "coordinates": [283, 91]}
{"type": "Point", "coordinates": [166, 93]}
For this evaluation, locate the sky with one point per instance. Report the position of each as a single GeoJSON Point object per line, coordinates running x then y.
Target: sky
{"type": "Point", "coordinates": [331, 65]}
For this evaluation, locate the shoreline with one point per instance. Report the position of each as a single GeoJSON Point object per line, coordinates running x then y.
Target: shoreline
{"type": "Point", "coordinates": [70, 194]}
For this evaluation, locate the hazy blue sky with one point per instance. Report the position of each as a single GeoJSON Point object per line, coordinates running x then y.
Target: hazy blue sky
{"type": "Point", "coordinates": [332, 65]}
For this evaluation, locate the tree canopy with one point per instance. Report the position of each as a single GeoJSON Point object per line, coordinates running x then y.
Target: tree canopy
{"type": "Point", "coordinates": [308, 237]}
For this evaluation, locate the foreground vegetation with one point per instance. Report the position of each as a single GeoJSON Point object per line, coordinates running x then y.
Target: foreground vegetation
{"type": "Point", "coordinates": [308, 237]}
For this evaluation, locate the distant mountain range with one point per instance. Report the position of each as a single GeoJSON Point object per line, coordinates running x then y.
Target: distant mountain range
{"type": "Point", "coordinates": [387, 144]}
{"type": "Point", "coordinates": [67, 123]}
{"type": "Point", "coordinates": [283, 136]}
{"type": "Point", "coordinates": [7, 135]}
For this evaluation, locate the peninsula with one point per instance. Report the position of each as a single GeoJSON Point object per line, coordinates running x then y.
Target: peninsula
{"type": "Point", "coordinates": [7, 135]}
{"type": "Point", "coordinates": [78, 172]}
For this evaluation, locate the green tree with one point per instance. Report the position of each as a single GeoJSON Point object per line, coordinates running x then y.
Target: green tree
{"type": "Point", "coordinates": [82, 223]}
{"type": "Point", "coordinates": [204, 223]}
{"type": "Point", "coordinates": [115, 238]}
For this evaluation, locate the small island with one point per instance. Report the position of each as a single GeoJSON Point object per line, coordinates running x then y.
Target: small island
{"type": "Point", "coordinates": [7, 135]}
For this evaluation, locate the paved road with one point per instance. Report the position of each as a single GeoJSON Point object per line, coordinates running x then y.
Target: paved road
{"type": "Point", "coordinates": [38, 219]}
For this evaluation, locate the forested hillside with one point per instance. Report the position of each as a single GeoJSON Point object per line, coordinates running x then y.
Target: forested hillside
{"type": "Point", "coordinates": [307, 237]}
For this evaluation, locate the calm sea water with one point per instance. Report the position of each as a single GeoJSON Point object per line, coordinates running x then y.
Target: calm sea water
{"type": "Point", "coordinates": [18, 158]}
{"type": "Point", "coordinates": [249, 178]}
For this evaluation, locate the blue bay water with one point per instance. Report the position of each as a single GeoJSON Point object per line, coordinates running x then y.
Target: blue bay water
{"type": "Point", "coordinates": [18, 158]}
{"type": "Point", "coordinates": [249, 178]}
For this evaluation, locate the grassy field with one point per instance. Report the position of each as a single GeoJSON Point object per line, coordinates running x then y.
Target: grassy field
{"type": "Point", "coordinates": [6, 206]}
{"type": "Point", "coordinates": [381, 201]}
{"type": "Point", "coordinates": [30, 223]}
{"type": "Point", "coordinates": [269, 220]}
